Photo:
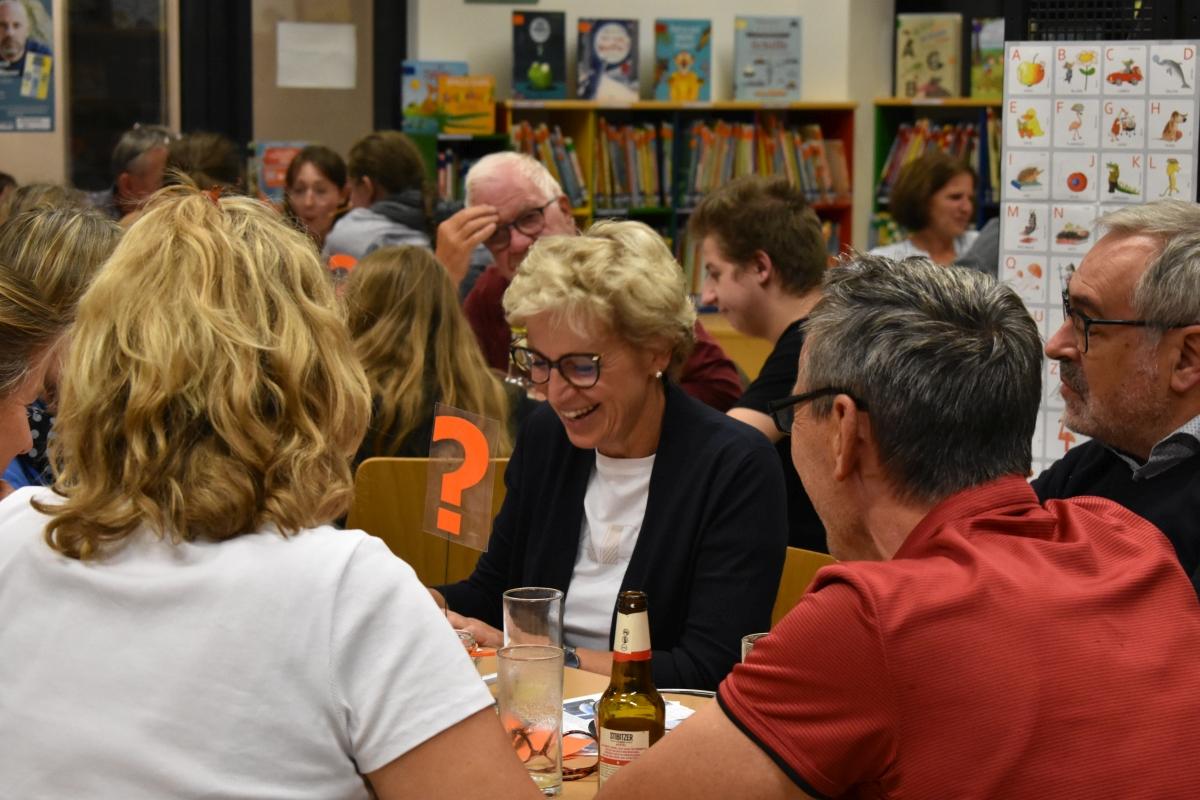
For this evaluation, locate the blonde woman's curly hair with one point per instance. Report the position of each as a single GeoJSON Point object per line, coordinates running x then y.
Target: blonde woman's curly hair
{"type": "Point", "coordinates": [619, 274]}
{"type": "Point", "coordinates": [211, 389]}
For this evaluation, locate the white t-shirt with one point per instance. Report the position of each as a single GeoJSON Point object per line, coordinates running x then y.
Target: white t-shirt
{"type": "Point", "coordinates": [613, 509]}
{"type": "Point", "coordinates": [259, 667]}
{"type": "Point", "coordinates": [906, 248]}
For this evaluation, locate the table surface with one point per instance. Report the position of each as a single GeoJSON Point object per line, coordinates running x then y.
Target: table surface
{"type": "Point", "coordinates": [577, 682]}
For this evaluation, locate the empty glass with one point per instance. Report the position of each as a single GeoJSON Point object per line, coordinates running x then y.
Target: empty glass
{"type": "Point", "coordinates": [748, 642]}
{"type": "Point", "coordinates": [533, 615]}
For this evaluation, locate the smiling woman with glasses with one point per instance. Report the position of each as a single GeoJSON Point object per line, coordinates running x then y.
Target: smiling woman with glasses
{"type": "Point", "coordinates": [621, 480]}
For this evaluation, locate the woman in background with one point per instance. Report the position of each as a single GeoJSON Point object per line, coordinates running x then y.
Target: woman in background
{"type": "Point", "coordinates": [29, 330]}
{"type": "Point", "coordinates": [418, 349]}
{"type": "Point", "coordinates": [390, 198]}
{"type": "Point", "coordinates": [58, 250]}
{"type": "Point", "coordinates": [213, 636]}
{"type": "Point", "coordinates": [934, 200]}
{"type": "Point", "coordinates": [316, 193]}
{"type": "Point", "coordinates": [621, 480]}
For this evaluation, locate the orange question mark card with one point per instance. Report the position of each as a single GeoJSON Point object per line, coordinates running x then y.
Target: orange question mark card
{"type": "Point", "coordinates": [458, 499]}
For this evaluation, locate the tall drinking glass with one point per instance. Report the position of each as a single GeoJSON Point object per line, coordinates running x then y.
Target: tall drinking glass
{"type": "Point", "coordinates": [533, 615]}
{"type": "Point", "coordinates": [529, 689]}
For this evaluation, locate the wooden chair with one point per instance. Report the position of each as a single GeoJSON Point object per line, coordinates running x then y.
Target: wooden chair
{"type": "Point", "coordinates": [798, 572]}
{"type": "Point", "coordinates": [389, 502]}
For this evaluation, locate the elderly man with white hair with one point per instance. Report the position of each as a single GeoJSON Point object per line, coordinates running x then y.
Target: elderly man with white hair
{"type": "Point", "coordinates": [512, 201]}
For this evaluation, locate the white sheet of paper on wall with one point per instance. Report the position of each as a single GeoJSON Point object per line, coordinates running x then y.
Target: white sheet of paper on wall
{"type": "Point", "coordinates": [1076, 122]}
{"type": "Point", "coordinates": [1124, 69]}
{"type": "Point", "coordinates": [315, 55]}
{"type": "Point", "coordinates": [1123, 123]}
{"type": "Point", "coordinates": [1172, 69]}
{"type": "Point", "coordinates": [1029, 175]}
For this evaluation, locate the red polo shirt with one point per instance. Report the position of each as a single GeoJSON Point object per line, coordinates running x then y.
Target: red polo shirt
{"type": "Point", "coordinates": [1006, 650]}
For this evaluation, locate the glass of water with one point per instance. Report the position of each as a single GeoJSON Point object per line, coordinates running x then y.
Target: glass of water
{"type": "Point", "coordinates": [748, 642]}
{"type": "Point", "coordinates": [529, 691]}
{"type": "Point", "coordinates": [533, 615]}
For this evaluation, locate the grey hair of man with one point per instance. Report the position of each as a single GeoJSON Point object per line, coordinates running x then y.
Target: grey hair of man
{"type": "Point", "coordinates": [1168, 292]}
{"type": "Point", "coordinates": [500, 167]}
{"type": "Point", "coordinates": [946, 361]}
{"type": "Point", "coordinates": [135, 142]}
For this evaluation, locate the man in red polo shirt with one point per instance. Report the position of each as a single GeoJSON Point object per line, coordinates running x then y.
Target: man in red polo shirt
{"type": "Point", "coordinates": [973, 643]}
{"type": "Point", "coordinates": [512, 201]}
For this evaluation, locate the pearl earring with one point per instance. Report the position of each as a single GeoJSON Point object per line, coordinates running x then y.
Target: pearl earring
{"type": "Point", "coordinates": [658, 374]}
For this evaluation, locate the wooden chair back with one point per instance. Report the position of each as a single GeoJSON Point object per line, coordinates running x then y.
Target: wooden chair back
{"type": "Point", "coordinates": [389, 502]}
{"type": "Point", "coordinates": [798, 572]}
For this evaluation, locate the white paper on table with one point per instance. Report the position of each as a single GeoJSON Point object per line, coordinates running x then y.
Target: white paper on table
{"type": "Point", "coordinates": [578, 712]}
{"type": "Point", "coordinates": [315, 55]}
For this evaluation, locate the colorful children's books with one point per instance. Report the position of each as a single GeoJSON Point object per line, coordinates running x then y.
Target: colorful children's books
{"type": "Point", "coordinates": [928, 55]}
{"type": "Point", "coordinates": [539, 55]}
{"type": "Point", "coordinates": [683, 59]}
{"type": "Point", "coordinates": [419, 93]}
{"type": "Point", "coordinates": [468, 103]}
{"type": "Point", "coordinates": [608, 60]}
{"type": "Point", "coordinates": [987, 58]}
{"type": "Point", "coordinates": [766, 55]}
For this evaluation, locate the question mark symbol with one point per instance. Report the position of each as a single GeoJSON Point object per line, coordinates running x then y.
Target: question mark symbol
{"type": "Point", "coordinates": [469, 473]}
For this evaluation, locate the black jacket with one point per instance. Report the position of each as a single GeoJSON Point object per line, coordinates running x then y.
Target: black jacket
{"type": "Point", "coordinates": [709, 554]}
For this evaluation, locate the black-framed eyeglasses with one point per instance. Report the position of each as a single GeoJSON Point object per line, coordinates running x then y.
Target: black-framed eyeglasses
{"type": "Point", "coordinates": [581, 370]}
{"type": "Point", "coordinates": [530, 223]}
{"type": "Point", "coordinates": [1082, 324]}
{"type": "Point", "coordinates": [783, 411]}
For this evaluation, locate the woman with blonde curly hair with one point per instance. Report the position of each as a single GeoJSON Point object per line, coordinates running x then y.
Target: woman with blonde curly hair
{"type": "Point", "coordinates": [418, 349]}
{"type": "Point", "coordinates": [212, 634]}
{"type": "Point", "coordinates": [59, 250]}
{"type": "Point", "coordinates": [623, 481]}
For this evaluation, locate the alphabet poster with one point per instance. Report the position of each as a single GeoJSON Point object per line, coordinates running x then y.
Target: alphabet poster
{"type": "Point", "coordinates": [1088, 127]}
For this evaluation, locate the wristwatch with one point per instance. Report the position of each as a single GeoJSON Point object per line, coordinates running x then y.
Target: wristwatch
{"type": "Point", "coordinates": [570, 657]}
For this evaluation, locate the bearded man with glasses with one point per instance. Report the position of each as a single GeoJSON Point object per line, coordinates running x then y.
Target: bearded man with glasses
{"type": "Point", "coordinates": [512, 201]}
{"type": "Point", "coordinates": [1128, 355]}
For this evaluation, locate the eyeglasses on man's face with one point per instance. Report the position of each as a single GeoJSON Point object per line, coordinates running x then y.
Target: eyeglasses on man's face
{"type": "Point", "coordinates": [783, 411]}
{"type": "Point", "coordinates": [1082, 324]}
{"type": "Point", "coordinates": [531, 223]}
{"type": "Point", "coordinates": [581, 370]}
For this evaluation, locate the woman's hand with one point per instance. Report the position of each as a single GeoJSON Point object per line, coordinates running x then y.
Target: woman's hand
{"type": "Point", "coordinates": [485, 635]}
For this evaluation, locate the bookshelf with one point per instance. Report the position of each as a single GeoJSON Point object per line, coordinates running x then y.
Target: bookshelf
{"type": "Point", "coordinates": [893, 112]}
{"type": "Point", "coordinates": [667, 210]}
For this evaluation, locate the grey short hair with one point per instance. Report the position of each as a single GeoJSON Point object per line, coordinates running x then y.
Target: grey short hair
{"type": "Point", "coordinates": [946, 361]}
{"type": "Point", "coordinates": [619, 274]}
{"type": "Point", "coordinates": [1168, 292]}
{"type": "Point", "coordinates": [138, 140]}
{"type": "Point", "coordinates": [492, 168]}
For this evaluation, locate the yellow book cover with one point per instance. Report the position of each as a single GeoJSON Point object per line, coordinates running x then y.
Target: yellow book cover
{"type": "Point", "coordinates": [468, 103]}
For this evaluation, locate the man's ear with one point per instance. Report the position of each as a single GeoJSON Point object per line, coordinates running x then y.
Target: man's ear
{"type": "Point", "coordinates": [124, 192]}
{"type": "Point", "coordinates": [850, 439]}
{"type": "Point", "coordinates": [762, 266]}
{"type": "Point", "coordinates": [1185, 372]}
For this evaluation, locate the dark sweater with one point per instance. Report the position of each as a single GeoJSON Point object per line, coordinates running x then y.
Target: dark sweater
{"type": "Point", "coordinates": [1169, 500]}
{"type": "Point", "coordinates": [709, 554]}
{"type": "Point", "coordinates": [776, 381]}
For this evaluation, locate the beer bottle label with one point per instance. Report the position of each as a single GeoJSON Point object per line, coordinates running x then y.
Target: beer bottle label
{"type": "Point", "coordinates": [631, 639]}
{"type": "Point", "coordinates": [618, 748]}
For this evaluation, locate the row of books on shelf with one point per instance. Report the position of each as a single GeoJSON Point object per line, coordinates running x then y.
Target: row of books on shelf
{"type": "Point", "coordinates": [687, 252]}
{"type": "Point", "coordinates": [557, 153]}
{"type": "Point", "coordinates": [720, 151]}
{"type": "Point", "coordinates": [958, 139]}
{"type": "Point", "coordinates": [631, 165]}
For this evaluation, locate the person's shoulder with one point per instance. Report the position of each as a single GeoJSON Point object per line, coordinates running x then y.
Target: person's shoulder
{"type": "Point", "coordinates": [895, 250]}
{"type": "Point", "coordinates": [709, 431]}
{"type": "Point", "coordinates": [1055, 479]}
{"type": "Point", "coordinates": [19, 520]}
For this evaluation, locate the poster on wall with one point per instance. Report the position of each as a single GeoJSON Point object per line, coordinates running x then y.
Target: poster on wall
{"type": "Point", "coordinates": [26, 66]}
{"type": "Point", "coordinates": [1089, 127]}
